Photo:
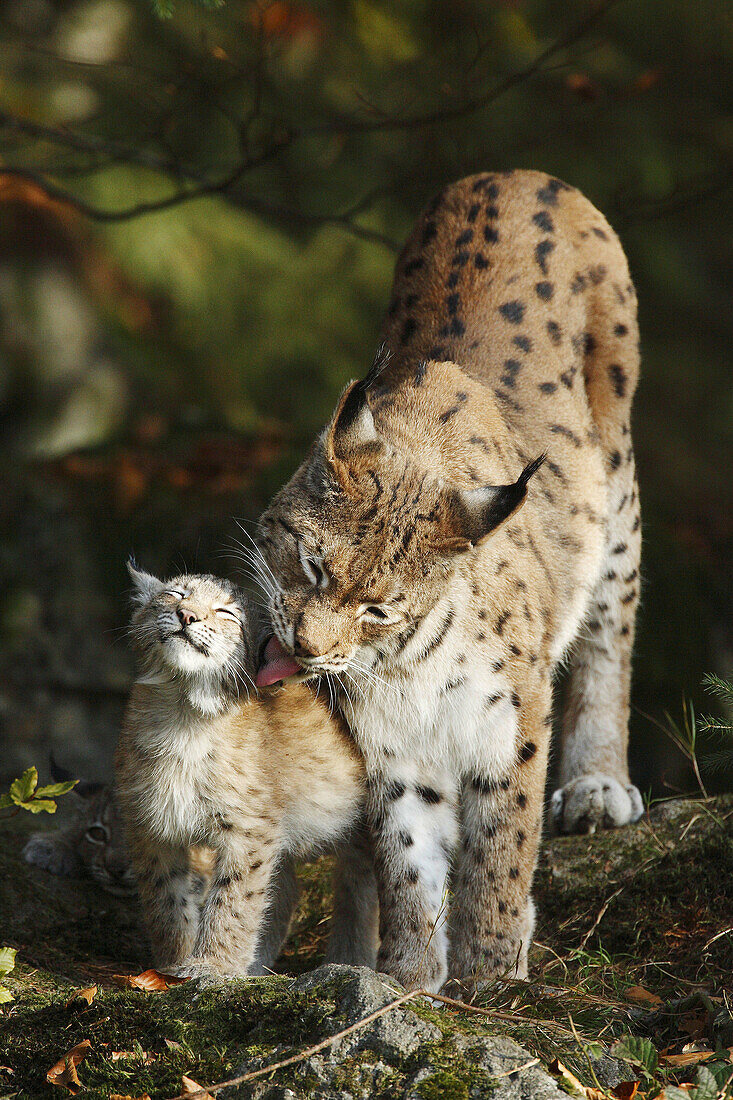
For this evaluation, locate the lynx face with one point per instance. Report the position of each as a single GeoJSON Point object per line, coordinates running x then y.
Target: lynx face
{"type": "Point", "coordinates": [360, 545]}
{"type": "Point", "coordinates": [196, 627]}
{"type": "Point", "coordinates": [92, 844]}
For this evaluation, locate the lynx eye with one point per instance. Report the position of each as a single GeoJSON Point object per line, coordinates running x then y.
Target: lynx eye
{"type": "Point", "coordinates": [313, 568]}
{"type": "Point", "coordinates": [378, 613]}
{"type": "Point", "coordinates": [178, 593]}
{"type": "Point", "coordinates": [97, 834]}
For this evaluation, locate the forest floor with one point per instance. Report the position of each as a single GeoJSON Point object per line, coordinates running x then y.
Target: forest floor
{"type": "Point", "coordinates": [631, 989]}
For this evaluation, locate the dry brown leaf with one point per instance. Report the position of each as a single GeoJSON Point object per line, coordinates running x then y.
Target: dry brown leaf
{"type": "Point", "coordinates": [150, 981]}
{"type": "Point", "coordinates": [120, 1096]}
{"type": "Point", "coordinates": [568, 1079]}
{"type": "Point", "coordinates": [82, 998]}
{"type": "Point", "coordinates": [63, 1073]}
{"type": "Point", "coordinates": [642, 996]}
{"type": "Point", "coordinates": [687, 1058]}
{"type": "Point", "coordinates": [625, 1090]}
{"type": "Point", "coordinates": [189, 1086]}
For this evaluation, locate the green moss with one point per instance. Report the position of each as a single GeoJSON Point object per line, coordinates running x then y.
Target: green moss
{"type": "Point", "coordinates": [443, 1086]}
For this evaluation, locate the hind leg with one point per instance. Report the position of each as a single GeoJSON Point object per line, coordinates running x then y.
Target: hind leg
{"type": "Point", "coordinates": [595, 787]}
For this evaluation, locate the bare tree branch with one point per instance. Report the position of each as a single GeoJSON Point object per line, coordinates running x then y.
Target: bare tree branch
{"type": "Point", "coordinates": [349, 124]}
{"type": "Point", "coordinates": [192, 184]}
{"type": "Point", "coordinates": [285, 215]}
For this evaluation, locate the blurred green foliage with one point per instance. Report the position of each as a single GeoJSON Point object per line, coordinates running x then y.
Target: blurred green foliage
{"type": "Point", "coordinates": [246, 310]}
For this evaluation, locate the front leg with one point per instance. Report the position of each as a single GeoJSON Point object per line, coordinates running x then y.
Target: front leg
{"type": "Point", "coordinates": [235, 904]}
{"type": "Point", "coordinates": [413, 813]}
{"type": "Point", "coordinates": [284, 893]}
{"type": "Point", "coordinates": [492, 917]}
{"type": "Point", "coordinates": [168, 897]}
{"type": "Point", "coordinates": [354, 938]}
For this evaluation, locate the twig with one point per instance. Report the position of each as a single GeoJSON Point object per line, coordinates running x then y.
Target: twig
{"type": "Point", "coordinates": [599, 918]}
{"type": "Point", "coordinates": [295, 1058]}
{"type": "Point", "coordinates": [495, 1013]}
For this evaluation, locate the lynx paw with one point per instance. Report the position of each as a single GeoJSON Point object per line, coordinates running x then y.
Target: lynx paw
{"type": "Point", "coordinates": [594, 801]}
{"type": "Point", "coordinates": [43, 851]}
{"type": "Point", "coordinates": [427, 971]}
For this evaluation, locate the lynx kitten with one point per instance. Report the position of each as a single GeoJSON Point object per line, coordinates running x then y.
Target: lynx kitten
{"type": "Point", "coordinates": [258, 780]}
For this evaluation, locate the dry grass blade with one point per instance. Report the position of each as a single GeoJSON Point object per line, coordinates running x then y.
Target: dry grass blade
{"type": "Point", "coordinates": [201, 1093]}
{"type": "Point", "coordinates": [518, 1069]}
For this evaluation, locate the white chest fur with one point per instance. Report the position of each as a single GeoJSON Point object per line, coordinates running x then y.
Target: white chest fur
{"type": "Point", "coordinates": [439, 711]}
{"type": "Point", "coordinates": [179, 808]}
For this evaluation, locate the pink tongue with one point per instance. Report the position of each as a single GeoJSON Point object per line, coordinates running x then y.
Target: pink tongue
{"type": "Point", "coordinates": [276, 664]}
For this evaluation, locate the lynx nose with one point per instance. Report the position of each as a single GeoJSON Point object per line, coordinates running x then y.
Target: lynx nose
{"type": "Point", "coordinates": [304, 651]}
{"type": "Point", "coordinates": [186, 616]}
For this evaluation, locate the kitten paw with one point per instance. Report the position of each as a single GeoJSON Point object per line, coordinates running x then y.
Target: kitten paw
{"type": "Point", "coordinates": [594, 801]}
{"type": "Point", "coordinates": [204, 971]}
{"type": "Point", "coordinates": [43, 851]}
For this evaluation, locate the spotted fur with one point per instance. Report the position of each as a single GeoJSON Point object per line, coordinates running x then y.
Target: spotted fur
{"type": "Point", "coordinates": [260, 781]}
{"type": "Point", "coordinates": [443, 606]}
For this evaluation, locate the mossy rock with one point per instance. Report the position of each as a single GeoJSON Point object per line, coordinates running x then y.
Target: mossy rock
{"type": "Point", "coordinates": [643, 906]}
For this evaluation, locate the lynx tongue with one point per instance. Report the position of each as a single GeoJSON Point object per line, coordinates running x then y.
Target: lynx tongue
{"type": "Point", "coordinates": [276, 664]}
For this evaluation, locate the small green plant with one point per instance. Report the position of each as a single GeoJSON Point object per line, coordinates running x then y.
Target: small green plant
{"type": "Point", "coordinates": [7, 963]}
{"type": "Point", "coordinates": [686, 733]}
{"type": "Point", "coordinates": [25, 794]}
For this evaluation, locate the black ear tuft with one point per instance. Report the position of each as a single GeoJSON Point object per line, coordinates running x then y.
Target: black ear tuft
{"type": "Point", "coordinates": [58, 773]}
{"type": "Point", "coordinates": [481, 511]}
{"type": "Point", "coordinates": [531, 469]}
{"type": "Point", "coordinates": [507, 498]}
{"type": "Point", "coordinates": [132, 563]}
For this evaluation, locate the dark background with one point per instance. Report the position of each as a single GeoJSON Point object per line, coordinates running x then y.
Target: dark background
{"type": "Point", "coordinates": [198, 222]}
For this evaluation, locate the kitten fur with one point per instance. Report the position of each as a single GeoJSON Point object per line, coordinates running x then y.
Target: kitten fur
{"type": "Point", "coordinates": [261, 781]}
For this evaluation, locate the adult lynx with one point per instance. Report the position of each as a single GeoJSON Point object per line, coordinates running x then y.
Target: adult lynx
{"type": "Point", "coordinates": [400, 565]}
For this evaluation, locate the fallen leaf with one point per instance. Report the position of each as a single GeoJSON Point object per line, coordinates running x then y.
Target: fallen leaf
{"type": "Point", "coordinates": [189, 1086]}
{"type": "Point", "coordinates": [63, 1073]}
{"type": "Point", "coordinates": [568, 1079]}
{"type": "Point", "coordinates": [82, 998]}
{"type": "Point", "coordinates": [139, 1055]}
{"type": "Point", "coordinates": [172, 1044]}
{"type": "Point", "coordinates": [625, 1090]}
{"type": "Point", "coordinates": [642, 996]}
{"type": "Point", "coordinates": [120, 1096]}
{"type": "Point", "coordinates": [687, 1058]}
{"type": "Point", "coordinates": [150, 981]}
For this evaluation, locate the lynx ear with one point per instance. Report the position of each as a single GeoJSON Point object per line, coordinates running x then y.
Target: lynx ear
{"type": "Point", "coordinates": [145, 585]}
{"type": "Point", "coordinates": [351, 436]}
{"type": "Point", "coordinates": [478, 512]}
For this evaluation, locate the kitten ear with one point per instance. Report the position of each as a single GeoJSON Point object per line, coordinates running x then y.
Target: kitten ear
{"type": "Point", "coordinates": [145, 585]}
{"type": "Point", "coordinates": [476, 513]}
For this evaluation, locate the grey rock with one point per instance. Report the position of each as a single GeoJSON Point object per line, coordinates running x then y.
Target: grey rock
{"type": "Point", "coordinates": [401, 1055]}
{"type": "Point", "coordinates": [358, 992]}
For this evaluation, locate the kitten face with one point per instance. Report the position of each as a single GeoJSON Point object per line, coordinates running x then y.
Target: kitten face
{"type": "Point", "coordinates": [195, 626]}
{"type": "Point", "coordinates": [101, 845]}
